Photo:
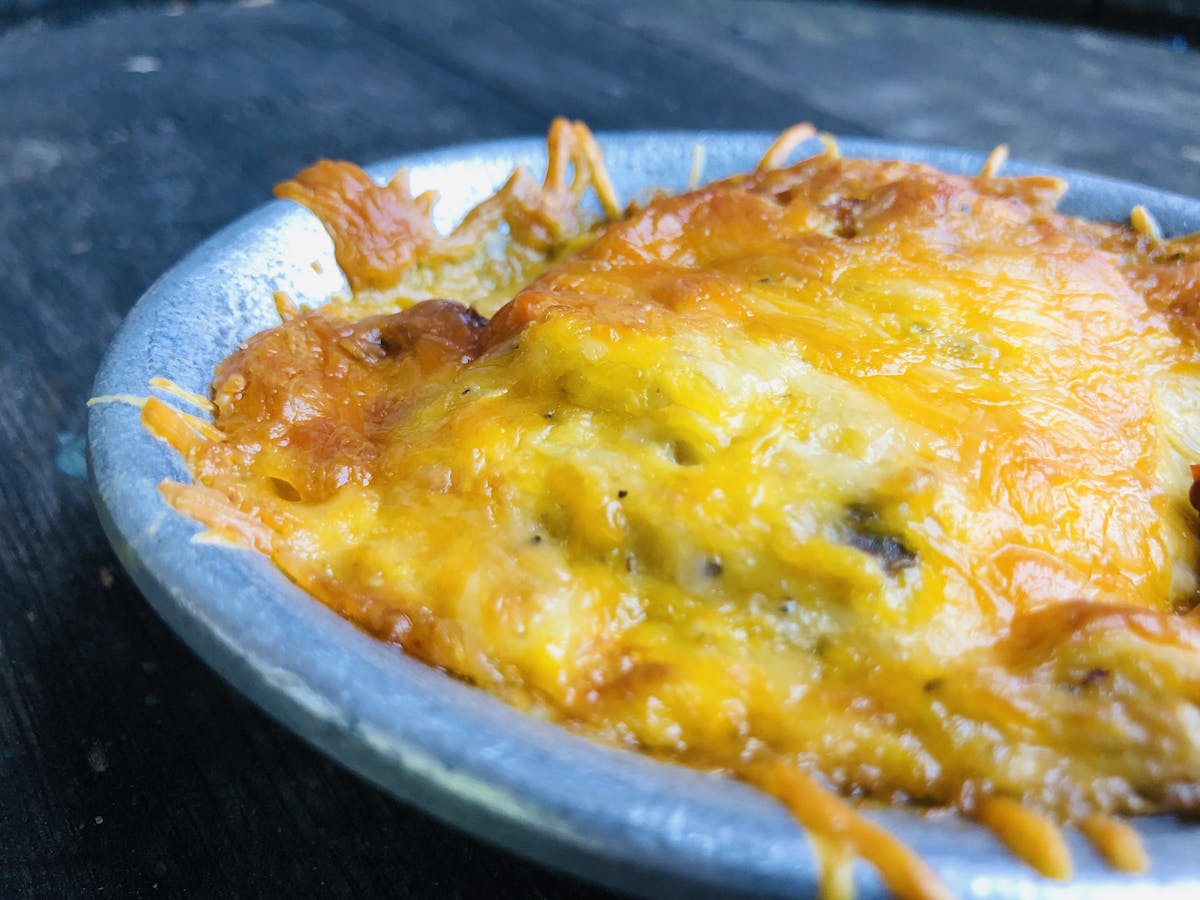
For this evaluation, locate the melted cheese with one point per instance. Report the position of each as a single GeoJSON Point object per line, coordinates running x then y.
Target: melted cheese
{"type": "Point", "coordinates": [850, 468]}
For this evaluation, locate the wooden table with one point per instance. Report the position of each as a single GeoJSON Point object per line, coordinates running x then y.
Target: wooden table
{"type": "Point", "coordinates": [126, 767]}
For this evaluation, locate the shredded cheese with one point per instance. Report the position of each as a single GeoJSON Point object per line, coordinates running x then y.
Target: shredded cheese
{"type": "Point", "coordinates": [843, 477]}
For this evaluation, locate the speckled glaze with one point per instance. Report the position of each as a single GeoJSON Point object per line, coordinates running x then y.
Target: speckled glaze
{"type": "Point", "coordinates": [611, 815]}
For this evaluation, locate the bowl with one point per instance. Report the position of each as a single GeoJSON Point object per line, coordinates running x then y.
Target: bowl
{"type": "Point", "coordinates": [615, 816]}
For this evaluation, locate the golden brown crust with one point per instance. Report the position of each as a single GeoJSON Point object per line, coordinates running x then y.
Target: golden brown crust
{"type": "Point", "coordinates": [380, 231]}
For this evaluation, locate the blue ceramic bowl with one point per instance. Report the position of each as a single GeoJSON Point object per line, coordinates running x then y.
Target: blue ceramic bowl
{"type": "Point", "coordinates": [615, 816]}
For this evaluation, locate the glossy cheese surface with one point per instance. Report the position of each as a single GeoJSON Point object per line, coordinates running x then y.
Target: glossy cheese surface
{"type": "Point", "coordinates": [872, 470]}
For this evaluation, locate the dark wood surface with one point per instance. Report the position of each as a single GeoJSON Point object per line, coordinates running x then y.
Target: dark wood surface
{"type": "Point", "coordinates": [129, 133]}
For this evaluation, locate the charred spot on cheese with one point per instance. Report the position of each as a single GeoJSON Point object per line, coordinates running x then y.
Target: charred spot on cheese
{"type": "Point", "coordinates": [448, 325]}
{"type": "Point", "coordinates": [851, 469]}
{"type": "Point", "coordinates": [865, 531]}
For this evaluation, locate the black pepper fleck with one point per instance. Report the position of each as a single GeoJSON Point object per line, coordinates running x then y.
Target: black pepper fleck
{"type": "Point", "coordinates": [622, 494]}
